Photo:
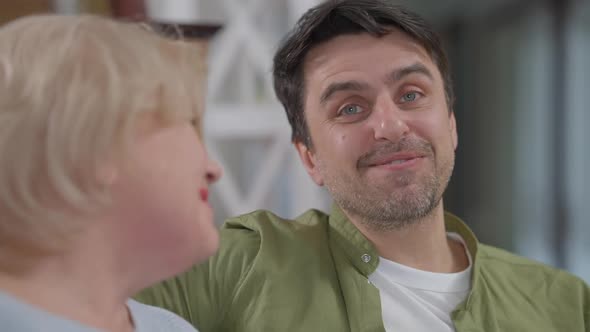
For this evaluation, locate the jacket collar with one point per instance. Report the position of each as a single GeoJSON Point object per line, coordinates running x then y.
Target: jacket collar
{"type": "Point", "coordinates": [363, 255]}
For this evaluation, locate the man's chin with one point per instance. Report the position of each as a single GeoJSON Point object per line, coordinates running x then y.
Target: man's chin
{"type": "Point", "coordinates": [399, 190]}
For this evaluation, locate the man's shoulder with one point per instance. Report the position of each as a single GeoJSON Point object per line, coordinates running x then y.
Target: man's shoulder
{"type": "Point", "coordinates": [246, 237]}
{"type": "Point", "coordinates": [497, 258]}
{"type": "Point", "coordinates": [521, 293]}
{"type": "Point", "coordinates": [529, 276]}
{"type": "Point", "coordinates": [246, 231]}
{"type": "Point", "coordinates": [264, 220]}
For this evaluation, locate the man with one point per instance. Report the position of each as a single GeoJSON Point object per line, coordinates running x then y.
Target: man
{"type": "Point", "coordinates": [367, 91]}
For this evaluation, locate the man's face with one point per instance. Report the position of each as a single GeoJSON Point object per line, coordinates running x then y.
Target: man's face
{"type": "Point", "coordinates": [383, 139]}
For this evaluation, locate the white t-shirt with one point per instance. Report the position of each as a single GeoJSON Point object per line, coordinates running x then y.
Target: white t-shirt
{"type": "Point", "coordinates": [416, 300]}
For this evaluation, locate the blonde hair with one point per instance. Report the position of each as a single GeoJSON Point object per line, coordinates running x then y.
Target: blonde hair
{"type": "Point", "coordinates": [71, 90]}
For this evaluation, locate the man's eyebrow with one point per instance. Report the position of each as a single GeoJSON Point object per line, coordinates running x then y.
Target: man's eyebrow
{"type": "Point", "coordinates": [416, 68]}
{"type": "Point", "coordinates": [392, 77]}
{"type": "Point", "coordinates": [342, 86]}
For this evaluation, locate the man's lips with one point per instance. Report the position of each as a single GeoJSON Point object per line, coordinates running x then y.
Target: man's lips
{"type": "Point", "coordinates": [393, 159]}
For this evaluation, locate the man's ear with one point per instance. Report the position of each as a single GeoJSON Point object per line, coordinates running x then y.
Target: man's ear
{"type": "Point", "coordinates": [308, 158]}
{"type": "Point", "coordinates": [453, 128]}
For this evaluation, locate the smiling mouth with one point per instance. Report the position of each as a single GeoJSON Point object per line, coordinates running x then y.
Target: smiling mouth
{"type": "Point", "coordinates": [394, 160]}
{"type": "Point", "coordinates": [398, 164]}
{"type": "Point", "coordinates": [396, 156]}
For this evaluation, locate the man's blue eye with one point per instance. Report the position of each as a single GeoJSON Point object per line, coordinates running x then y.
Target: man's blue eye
{"type": "Point", "coordinates": [350, 110]}
{"type": "Point", "coordinates": [410, 96]}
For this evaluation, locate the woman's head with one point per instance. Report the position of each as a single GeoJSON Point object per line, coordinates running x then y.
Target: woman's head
{"type": "Point", "coordinates": [95, 120]}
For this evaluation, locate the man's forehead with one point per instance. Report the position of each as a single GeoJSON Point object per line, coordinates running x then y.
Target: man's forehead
{"type": "Point", "coordinates": [351, 52]}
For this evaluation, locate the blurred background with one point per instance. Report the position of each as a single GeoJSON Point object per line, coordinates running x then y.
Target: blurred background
{"type": "Point", "coordinates": [522, 80]}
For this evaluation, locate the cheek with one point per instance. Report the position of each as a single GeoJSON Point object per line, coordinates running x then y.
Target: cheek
{"type": "Point", "coordinates": [435, 130]}
{"type": "Point", "coordinates": [348, 142]}
{"type": "Point", "coordinates": [165, 201]}
{"type": "Point", "coordinates": [160, 192]}
{"type": "Point", "coordinates": [172, 222]}
{"type": "Point", "coordinates": [335, 149]}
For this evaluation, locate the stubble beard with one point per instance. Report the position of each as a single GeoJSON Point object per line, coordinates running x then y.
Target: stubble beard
{"type": "Point", "coordinates": [400, 201]}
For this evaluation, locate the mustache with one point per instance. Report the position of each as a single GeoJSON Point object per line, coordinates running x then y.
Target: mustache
{"type": "Point", "coordinates": [409, 145]}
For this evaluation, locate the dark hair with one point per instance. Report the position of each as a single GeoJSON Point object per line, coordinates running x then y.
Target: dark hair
{"type": "Point", "coordinates": [340, 17]}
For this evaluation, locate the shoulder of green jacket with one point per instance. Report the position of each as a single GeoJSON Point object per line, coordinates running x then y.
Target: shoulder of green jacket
{"type": "Point", "coordinates": [243, 237]}
{"type": "Point", "coordinates": [260, 220]}
{"type": "Point", "coordinates": [512, 271]}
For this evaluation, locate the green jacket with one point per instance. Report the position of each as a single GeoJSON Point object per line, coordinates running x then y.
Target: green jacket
{"type": "Point", "coordinates": [311, 274]}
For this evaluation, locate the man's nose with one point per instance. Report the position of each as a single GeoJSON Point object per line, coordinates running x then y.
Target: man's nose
{"type": "Point", "coordinates": [388, 120]}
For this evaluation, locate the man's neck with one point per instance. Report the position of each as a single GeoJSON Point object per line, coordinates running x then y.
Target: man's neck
{"type": "Point", "coordinates": [421, 244]}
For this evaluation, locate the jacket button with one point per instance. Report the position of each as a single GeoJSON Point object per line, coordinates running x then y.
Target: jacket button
{"type": "Point", "coordinates": [366, 258]}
